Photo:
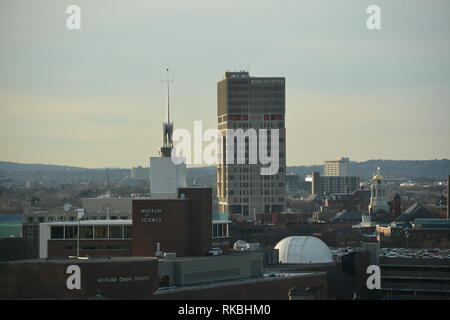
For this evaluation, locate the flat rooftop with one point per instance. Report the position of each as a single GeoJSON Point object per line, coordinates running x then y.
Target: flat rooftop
{"type": "Point", "coordinates": [90, 260]}
{"type": "Point", "coordinates": [91, 222]}
{"type": "Point", "coordinates": [222, 256]}
{"type": "Point", "coordinates": [264, 278]}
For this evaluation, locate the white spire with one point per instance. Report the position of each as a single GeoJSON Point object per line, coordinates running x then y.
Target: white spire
{"type": "Point", "coordinates": [167, 125]}
{"type": "Point", "coordinates": [167, 97]}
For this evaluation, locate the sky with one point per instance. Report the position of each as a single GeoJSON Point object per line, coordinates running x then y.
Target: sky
{"type": "Point", "coordinates": [94, 98]}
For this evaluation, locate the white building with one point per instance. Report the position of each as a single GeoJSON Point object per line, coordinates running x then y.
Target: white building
{"type": "Point", "coordinates": [336, 168]}
{"type": "Point", "coordinates": [166, 177]}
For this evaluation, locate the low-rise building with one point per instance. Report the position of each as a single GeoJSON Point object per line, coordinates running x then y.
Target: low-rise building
{"type": "Point", "coordinates": [412, 278]}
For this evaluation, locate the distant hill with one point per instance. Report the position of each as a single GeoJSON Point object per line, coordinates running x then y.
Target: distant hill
{"type": "Point", "coordinates": [49, 173]}
{"type": "Point", "coordinates": [394, 169]}
{"type": "Point", "coordinates": [15, 166]}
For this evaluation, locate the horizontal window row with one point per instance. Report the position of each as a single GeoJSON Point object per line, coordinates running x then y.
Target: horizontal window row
{"type": "Point", "coordinates": [91, 232]}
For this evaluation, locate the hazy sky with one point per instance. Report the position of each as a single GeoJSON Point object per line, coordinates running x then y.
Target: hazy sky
{"type": "Point", "coordinates": [94, 98]}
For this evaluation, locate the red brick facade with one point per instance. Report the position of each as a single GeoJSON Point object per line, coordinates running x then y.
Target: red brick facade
{"type": "Point", "coordinates": [132, 278]}
{"type": "Point", "coordinates": [182, 226]}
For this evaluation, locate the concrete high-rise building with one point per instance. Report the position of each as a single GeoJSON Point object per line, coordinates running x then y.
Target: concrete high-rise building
{"type": "Point", "coordinates": [245, 102]}
{"type": "Point", "coordinates": [336, 168]}
{"type": "Point", "coordinates": [140, 173]}
{"type": "Point", "coordinates": [326, 185]}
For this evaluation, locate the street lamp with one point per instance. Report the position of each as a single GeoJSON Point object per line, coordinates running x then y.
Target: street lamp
{"type": "Point", "coordinates": [406, 237]}
{"type": "Point", "coordinates": [80, 214]}
{"type": "Point", "coordinates": [107, 207]}
{"type": "Point", "coordinates": [67, 207]}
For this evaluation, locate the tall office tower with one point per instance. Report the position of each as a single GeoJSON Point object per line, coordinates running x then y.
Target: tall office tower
{"type": "Point", "coordinates": [336, 168]}
{"type": "Point", "coordinates": [245, 102]}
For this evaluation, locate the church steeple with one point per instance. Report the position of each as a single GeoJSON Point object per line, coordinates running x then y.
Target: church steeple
{"type": "Point", "coordinates": [378, 201]}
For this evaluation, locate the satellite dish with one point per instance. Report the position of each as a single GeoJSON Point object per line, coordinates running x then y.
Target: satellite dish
{"type": "Point", "coordinates": [67, 206]}
{"type": "Point", "coordinates": [240, 244]}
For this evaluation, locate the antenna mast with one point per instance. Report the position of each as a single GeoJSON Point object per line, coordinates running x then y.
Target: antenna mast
{"type": "Point", "coordinates": [166, 149]}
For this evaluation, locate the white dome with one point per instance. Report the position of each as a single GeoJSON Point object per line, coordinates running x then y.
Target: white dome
{"type": "Point", "coordinates": [303, 250]}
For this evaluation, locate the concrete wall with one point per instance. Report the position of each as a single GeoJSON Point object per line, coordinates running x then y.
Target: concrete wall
{"type": "Point", "coordinates": [259, 289]}
{"type": "Point", "coordinates": [166, 177]}
{"type": "Point", "coordinates": [189, 271]}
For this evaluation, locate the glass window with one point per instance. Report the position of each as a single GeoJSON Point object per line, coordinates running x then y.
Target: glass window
{"type": "Point", "coordinates": [71, 232]}
{"type": "Point", "coordinates": [86, 232]}
{"type": "Point", "coordinates": [115, 232]}
{"type": "Point", "coordinates": [127, 232]}
{"type": "Point", "coordinates": [215, 230]}
{"type": "Point", "coordinates": [57, 233]}
{"type": "Point", "coordinates": [100, 232]}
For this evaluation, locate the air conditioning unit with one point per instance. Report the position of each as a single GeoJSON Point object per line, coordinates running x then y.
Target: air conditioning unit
{"type": "Point", "coordinates": [254, 246]}
{"type": "Point", "coordinates": [215, 252]}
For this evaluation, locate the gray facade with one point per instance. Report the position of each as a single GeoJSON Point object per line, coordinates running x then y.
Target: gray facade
{"type": "Point", "coordinates": [323, 185]}
{"type": "Point", "coordinates": [199, 270]}
{"type": "Point", "coordinates": [245, 102]}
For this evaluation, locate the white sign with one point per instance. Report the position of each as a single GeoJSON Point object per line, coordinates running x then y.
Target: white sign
{"type": "Point", "coordinates": [73, 22]}
{"type": "Point", "coordinates": [74, 280]}
{"type": "Point", "coordinates": [374, 280]}
{"type": "Point", "coordinates": [151, 210]}
{"type": "Point", "coordinates": [374, 20]}
{"type": "Point", "coordinates": [123, 279]}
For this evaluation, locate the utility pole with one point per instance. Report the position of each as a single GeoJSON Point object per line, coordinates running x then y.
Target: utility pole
{"type": "Point", "coordinates": [80, 214]}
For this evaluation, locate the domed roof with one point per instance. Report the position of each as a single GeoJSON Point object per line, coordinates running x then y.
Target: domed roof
{"type": "Point", "coordinates": [302, 249]}
{"type": "Point", "coordinates": [378, 175]}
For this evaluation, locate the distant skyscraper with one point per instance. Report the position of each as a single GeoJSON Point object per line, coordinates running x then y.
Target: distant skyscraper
{"type": "Point", "coordinates": [322, 186]}
{"type": "Point", "coordinates": [378, 201]}
{"type": "Point", "coordinates": [259, 103]}
{"type": "Point", "coordinates": [336, 168]}
{"type": "Point", "coordinates": [140, 173]}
